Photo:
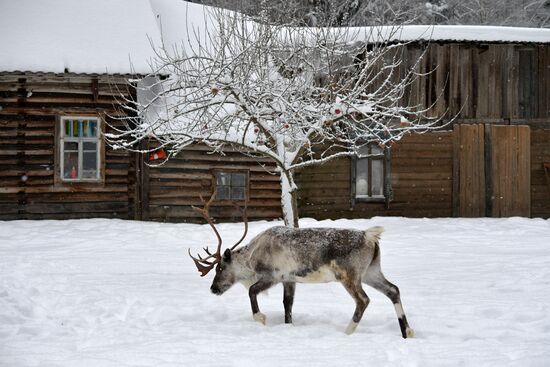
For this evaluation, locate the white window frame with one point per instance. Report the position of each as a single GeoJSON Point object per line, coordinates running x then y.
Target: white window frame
{"type": "Point", "coordinates": [80, 140]}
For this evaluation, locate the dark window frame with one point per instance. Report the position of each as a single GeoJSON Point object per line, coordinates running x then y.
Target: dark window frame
{"type": "Point", "coordinates": [215, 174]}
{"type": "Point", "coordinates": [385, 157]}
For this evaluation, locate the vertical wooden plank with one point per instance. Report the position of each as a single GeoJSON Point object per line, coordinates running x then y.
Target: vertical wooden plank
{"type": "Point", "coordinates": [469, 171]}
{"type": "Point", "coordinates": [484, 61]}
{"type": "Point", "coordinates": [527, 84]}
{"type": "Point", "coordinates": [454, 80]}
{"type": "Point", "coordinates": [488, 156]}
{"type": "Point", "coordinates": [511, 195]}
{"type": "Point", "coordinates": [465, 177]}
{"type": "Point", "coordinates": [441, 92]}
{"type": "Point", "coordinates": [543, 53]}
{"type": "Point", "coordinates": [456, 170]}
{"type": "Point", "coordinates": [474, 81]}
{"type": "Point", "coordinates": [496, 155]}
{"type": "Point", "coordinates": [495, 78]}
{"type": "Point", "coordinates": [524, 170]}
{"type": "Point", "coordinates": [480, 142]}
{"type": "Point", "coordinates": [512, 97]}
{"type": "Point", "coordinates": [467, 99]}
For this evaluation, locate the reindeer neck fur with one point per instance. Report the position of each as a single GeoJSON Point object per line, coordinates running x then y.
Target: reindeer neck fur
{"type": "Point", "coordinates": [245, 272]}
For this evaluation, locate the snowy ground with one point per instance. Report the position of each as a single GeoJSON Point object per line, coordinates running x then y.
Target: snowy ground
{"type": "Point", "coordinates": [122, 293]}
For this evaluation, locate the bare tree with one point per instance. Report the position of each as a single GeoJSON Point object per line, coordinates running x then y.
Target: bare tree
{"type": "Point", "coordinates": [300, 96]}
{"type": "Point", "coordinates": [524, 13]}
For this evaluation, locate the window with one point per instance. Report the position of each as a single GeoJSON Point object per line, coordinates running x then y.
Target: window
{"type": "Point", "coordinates": [79, 153]}
{"type": "Point", "coordinates": [231, 185]}
{"type": "Point", "coordinates": [371, 174]}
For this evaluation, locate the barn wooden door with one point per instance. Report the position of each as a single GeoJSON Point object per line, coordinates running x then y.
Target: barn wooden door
{"type": "Point", "coordinates": [468, 171]}
{"type": "Point", "coordinates": [491, 171]}
{"type": "Point", "coordinates": [510, 170]}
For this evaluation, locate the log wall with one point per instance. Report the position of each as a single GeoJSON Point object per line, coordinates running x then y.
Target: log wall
{"type": "Point", "coordinates": [422, 171]}
{"type": "Point", "coordinates": [174, 186]}
{"type": "Point", "coordinates": [30, 104]}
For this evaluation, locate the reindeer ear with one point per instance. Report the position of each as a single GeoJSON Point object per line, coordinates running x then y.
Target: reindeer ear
{"type": "Point", "coordinates": [227, 255]}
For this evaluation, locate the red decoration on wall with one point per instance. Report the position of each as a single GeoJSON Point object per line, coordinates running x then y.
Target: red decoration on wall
{"type": "Point", "coordinates": [158, 154]}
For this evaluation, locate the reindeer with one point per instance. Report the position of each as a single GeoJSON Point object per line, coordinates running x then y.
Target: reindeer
{"type": "Point", "coordinates": [294, 255]}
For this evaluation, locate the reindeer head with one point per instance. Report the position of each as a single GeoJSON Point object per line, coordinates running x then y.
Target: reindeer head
{"type": "Point", "coordinates": [226, 274]}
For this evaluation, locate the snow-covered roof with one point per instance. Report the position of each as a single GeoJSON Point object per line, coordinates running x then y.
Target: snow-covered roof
{"type": "Point", "coordinates": [461, 33]}
{"type": "Point", "coordinates": [81, 36]}
{"type": "Point", "coordinates": [113, 36]}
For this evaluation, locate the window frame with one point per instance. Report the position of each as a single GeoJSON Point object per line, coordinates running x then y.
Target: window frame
{"type": "Point", "coordinates": [387, 195]}
{"type": "Point", "coordinates": [60, 140]}
{"type": "Point", "coordinates": [247, 184]}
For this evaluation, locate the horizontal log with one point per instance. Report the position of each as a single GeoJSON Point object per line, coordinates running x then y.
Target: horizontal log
{"type": "Point", "coordinates": [76, 188]}
{"type": "Point", "coordinates": [188, 201]}
{"type": "Point", "coordinates": [174, 213]}
{"type": "Point", "coordinates": [63, 208]}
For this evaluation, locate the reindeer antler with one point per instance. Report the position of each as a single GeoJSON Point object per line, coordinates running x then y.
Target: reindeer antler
{"type": "Point", "coordinates": [245, 220]}
{"type": "Point", "coordinates": [203, 265]}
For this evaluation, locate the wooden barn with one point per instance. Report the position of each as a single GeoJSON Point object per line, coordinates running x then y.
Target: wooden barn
{"type": "Point", "coordinates": [493, 160]}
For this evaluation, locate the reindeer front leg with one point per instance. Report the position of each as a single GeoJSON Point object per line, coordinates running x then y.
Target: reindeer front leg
{"type": "Point", "coordinates": [353, 286]}
{"type": "Point", "coordinates": [288, 299]}
{"type": "Point", "coordinates": [253, 291]}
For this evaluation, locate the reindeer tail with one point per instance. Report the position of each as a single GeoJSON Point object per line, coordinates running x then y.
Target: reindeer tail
{"type": "Point", "coordinates": [374, 233]}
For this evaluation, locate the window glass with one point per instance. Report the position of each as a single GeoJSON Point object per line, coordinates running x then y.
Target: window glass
{"type": "Point", "coordinates": [90, 146]}
{"type": "Point", "coordinates": [223, 178]}
{"type": "Point", "coordinates": [71, 146]}
{"type": "Point", "coordinates": [89, 165]}
{"type": "Point", "coordinates": [85, 128]}
{"type": "Point", "coordinates": [377, 177]}
{"type": "Point", "coordinates": [68, 127]}
{"type": "Point", "coordinates": [238, 179]}
{"type": "Point", "coordinates": [70, 165]}
{"type": "Point", "coordinates": [237, 193]}
{"type": "Point", "coordinates": [369, 172]}
{"type": "Point", "coordinates": [231, 185]}
{"type": "Point", "coordinates": [75, 129]}
{"type": "Point", "coordinates": [362, 177]}
{"type": "Point", "coordinates": [93, 128]}
{"type": "Point", "coordinates": [223, 193]}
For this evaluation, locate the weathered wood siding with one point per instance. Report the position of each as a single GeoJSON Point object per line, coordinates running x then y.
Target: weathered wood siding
{"type": "Point", "coordinates": [422, 170]}
{"type": "Point", "coordinates": [479, 83]}
{"type": "Point", "coordinates": [30, 105]}
{"type": "Point", "coordinates": [173, 187]}
{"type": "Point", "coordinates": [540, 185]}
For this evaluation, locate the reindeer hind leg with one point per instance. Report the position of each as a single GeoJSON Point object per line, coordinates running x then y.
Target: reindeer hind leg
{"type": "Point", "coordinates": [374, 278]}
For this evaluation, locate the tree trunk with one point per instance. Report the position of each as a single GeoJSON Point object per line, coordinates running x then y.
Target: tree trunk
{"type": "Point", "coordinates": [289, 199]}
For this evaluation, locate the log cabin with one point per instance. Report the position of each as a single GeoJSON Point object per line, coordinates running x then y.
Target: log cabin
{"type": "Point", "coordinates": [57, 98]}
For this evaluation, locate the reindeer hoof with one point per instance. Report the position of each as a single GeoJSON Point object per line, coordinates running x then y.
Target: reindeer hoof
{"type": "Point", "coordinates": [409, 332]}
{"type": "Point", "coordinates": [260, 317]}
{"type": "Point", "coordinates": [351, 327]}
